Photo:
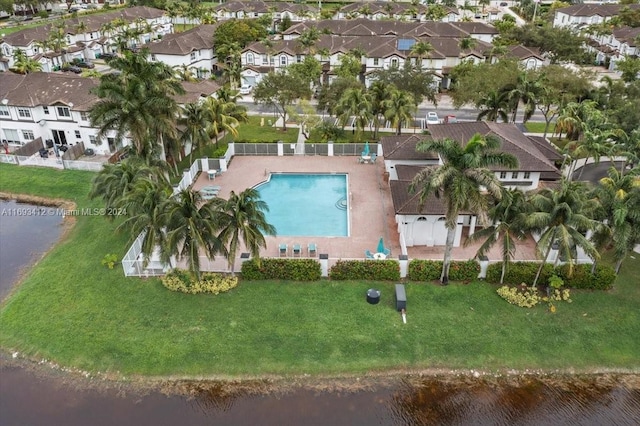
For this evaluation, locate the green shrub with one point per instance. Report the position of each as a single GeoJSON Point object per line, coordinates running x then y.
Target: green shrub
{"type": "Point", "coordinates": [184, 282]}
{"type": "Point", "coordinates": [464, 270]}
{"type": "Point", "coordinates": [109, 260]}
{"type": "Point", "coordinates": [377, 270]}
{"type": "Point", "coordinates": [582, 278]}
{"type": "Point", "coordinates": [424, 270]}
{"type": "Point", "coordinates": [520, 272]}
{"type": "Point", "coordinates": [43, 14]}
{"type": "Point", "coordinates": [281, 269]}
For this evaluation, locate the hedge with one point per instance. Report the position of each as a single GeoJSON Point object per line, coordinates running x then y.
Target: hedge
{"type": "Point", "coordinates": [375, 270]}
{"type": "Point", "coordinates": [520, 272]}
{"type": "Point", "coordinates": [582, 278]}
{"type": "Point", "coordinates": [430, 270]}
{"type": "Point", "coordinates": [183, 281]}
{"type": "Point", "coordinates": [281, 269]}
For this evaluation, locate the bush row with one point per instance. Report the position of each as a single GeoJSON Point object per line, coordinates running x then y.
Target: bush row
{"type": "Point", "coordinates": [281, 269]}
{"type": "Point", "coordinates": [430, 270]}
{"type": "Point", "coordinates": [377, 270]}
{"type": "Point", "coordinates": [582, 278]}
{"type": "Point", "coordinates": [184, 282]}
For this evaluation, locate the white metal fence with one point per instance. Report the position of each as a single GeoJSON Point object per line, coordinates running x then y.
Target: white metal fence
{"type": "Point", "coordinates": [8, 158]}
{"type": "Point", "coordinates": [82, 165]}
{"type": "Point", "coordinates": [133, 262]}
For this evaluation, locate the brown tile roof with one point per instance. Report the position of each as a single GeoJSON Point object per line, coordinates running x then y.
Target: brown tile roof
{"type": "Point", "coordinates": [546, 148]}
{"type": "Point", "coordinates": [407, 172]}
{"type": "Point", "coordinates": [263, 7]}
{"type": "Point", "coordinates": [403, 147]}
{"type": "Point", "coordinates": [627, 35]}
{"type": "Point", "coordinates": [200, 37]}
{"type": "Point", "coordinates": [409, 204]}
{"type": "Point", "coordinates": [595, 9]}
{"type": "Point", "coordinates": [476, 27]}
{"type": "Point", "coordinates": [513, 142]}
{"type": "Point", "coordinates": [44, 88]}
{"type": "Point", "coordinates": [93, 23]}
{"type": "Point", "coordinates": [522, 52]}
{"type": "Point", "coordinates": [196, 90]}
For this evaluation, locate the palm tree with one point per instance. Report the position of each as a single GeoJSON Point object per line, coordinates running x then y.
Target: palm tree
{"type": "Point", "coordinates": [525, 91]}
{"type": "Point", "coordinates": [184, 73]}
{"type": "Point", "coordinates": [227, 94]}
{"type": "Point", "coordinates": [463, 181]}
{"type": "Point", "coordinates": [619, 195]}
{"type": "Point", "coordinates": [144, 205]}
{"type": "Point", "coordinates": [355, 102]}
{"type": "Point", "coordinates": [308, 38]}
{"type": "Point", "coordinates": [576, 117]}
{"type": "Point", "coordinates": [421, 49]}
{"type": "Point", "coordinates": [467, 43]}
{"type": "Point", "coordinates": [400, 109]}
{"type": "Point", "coordinates": [81, 28]}
{"type": "Point", "coordinates": [242, 219]}
{"type": "Point", "coordinates": [508, 218]}
{"type": "Point", "coordinates": [191, 226]}
{"type": "Point", "coordinates": [379, 92]}
{"type": "Point", "coordinates": [194, 121]}
{"type": "Point", "coordinates": [595, 144]}
{"type": "Point", "coordinates": [23, 64]}
{"type": "Point", "coordinates": [220, 118]}
{"type": "Point", "coordinates": [562, 215]}
{"type": "Point", "coordinates": [493, 106]}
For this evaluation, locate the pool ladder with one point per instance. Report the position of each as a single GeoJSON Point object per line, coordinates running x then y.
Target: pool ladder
{"type": "Point", "coordinates": [341, 204]}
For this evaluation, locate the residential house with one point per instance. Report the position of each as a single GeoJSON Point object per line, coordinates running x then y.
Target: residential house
{"type": "Point", "coordinates": [582, 15]}
{"type": "Point", "coordinates": [529, 57]}
{"type": "Point", "coordinates": [383, 10]}
{"type": "Point", "coordinates": [192, 49]}
{"type": "Point", "coordinates": [610, 48]}
{"type": "Point", "coordinates": [88, 36]}
{"type": "Point", "coordinates": [256, 9]}
{"type": "Point", "coordinates": [55, 107]}
{"type": "Point", "coordinates": [422, 223]}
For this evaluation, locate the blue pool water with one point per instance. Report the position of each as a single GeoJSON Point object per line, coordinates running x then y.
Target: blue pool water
{"type": "Point", "coordinates": [307, 205]}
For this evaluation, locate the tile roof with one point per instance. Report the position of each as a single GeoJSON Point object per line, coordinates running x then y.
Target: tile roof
{"type": "Point", "coordinates": [368, 27]}
{"type": "Point", "coordinates": [263, 7]}
{"type": "Point", "coordinates": [513, 142]}
{"type": "Point", "coordinates": [403, 147]}
{"type": "Point", "coordinates": [522, 52]}
{"type": "Point", "coordinates": [197, 38]}
{"type": "Point", "coordinates": [627, 35]}
{"type": "Point", "coordinates": [196, 90]}
{"type": "Point", "coordinates": [93, 23]}
{"type": "Point", "coordinates": [409, 204]}
{"type": "Point", "coordinates": [594, 9]}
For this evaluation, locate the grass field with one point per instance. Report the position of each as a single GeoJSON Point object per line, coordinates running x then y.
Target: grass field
{"type": "Point", "coordinates": [538, 127]}
{"type": "Point", "coordinates": [72, 310]}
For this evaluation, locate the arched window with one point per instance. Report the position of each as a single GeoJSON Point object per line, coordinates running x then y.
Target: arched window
{"type": "Point", "coordinates": [283, 60]}
{"type": "Point", "coordinates": [422, 219]}
{"type": "Point", "coordinates": [250, 58]}
{"type": "Point", "coordinates": [394, 63]}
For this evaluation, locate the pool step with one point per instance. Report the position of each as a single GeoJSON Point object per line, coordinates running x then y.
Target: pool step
{"type": "Point", "coordinates": [341, 204]}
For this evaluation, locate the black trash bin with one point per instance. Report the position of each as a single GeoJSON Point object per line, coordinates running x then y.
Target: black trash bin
{"type": "Point", "coordinates": [373, 296]}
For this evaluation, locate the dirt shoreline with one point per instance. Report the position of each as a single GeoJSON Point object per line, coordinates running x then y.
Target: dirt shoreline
{"type": "Point", "coordinates": [224, 385]}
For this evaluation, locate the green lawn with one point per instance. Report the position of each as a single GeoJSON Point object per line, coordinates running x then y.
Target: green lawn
{"type": "Point", "coordinates": [348, 136]}
{"type": "Point", "coordinates": [538, 127]}
{"type": "Point", "coordinates": [74, 311]}
{"type": "Point", "coordinates": [253, 132]}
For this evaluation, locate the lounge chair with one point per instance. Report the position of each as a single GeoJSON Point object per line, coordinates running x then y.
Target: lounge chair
{"type": "Point", "coordinates": [368, 254]}
{"type": "Point", "coordinates": [373, 158]}
{"type": "Point", "coordinates": [283, 250]}
{"type": "Point", "coordinates": [297, 251]}
{"type": "Point", "coordinates": [211, 188]}
{"type": "Point", "coordinates": [387, 252]}
{"type": "Point", "coordinates": [209, 196]}
{"type": "Point", "coordinates": [312, 249]}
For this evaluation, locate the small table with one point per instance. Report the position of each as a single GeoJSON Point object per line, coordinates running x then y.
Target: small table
{"type": "Point", "coordinates": [379, 256]}
{"type": "Point", "coordinates": [212, 174]}
{"type": "Point", "coordinates": [365, 158]}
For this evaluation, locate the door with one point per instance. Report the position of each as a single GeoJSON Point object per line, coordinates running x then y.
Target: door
{"type": "Point", "coordinates": [59, 137]}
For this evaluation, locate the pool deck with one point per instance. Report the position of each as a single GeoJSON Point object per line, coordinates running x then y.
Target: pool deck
{"type": "Point", "coordinates": [371, 214]}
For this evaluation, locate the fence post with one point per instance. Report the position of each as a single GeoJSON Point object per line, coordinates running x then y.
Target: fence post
{"type": "Point", "coordinates": [324, 265]}
{"type": "Point", "coordinates": [280, 148]}
{"type": "Point", "coordinates": [404, 263]}
{"type": "Point", "coordinates": [329, 148]}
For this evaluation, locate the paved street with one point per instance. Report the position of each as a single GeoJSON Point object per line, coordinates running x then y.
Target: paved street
{"type": "Point", "coordinates": [594, 172]}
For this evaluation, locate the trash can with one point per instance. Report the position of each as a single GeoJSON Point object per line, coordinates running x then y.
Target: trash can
{"type": "Point", "coordinates": [373, 296]}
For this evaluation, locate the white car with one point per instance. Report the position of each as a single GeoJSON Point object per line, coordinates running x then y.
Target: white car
{"type": "Point", "coordinates": [432, 118]}
{"type": "Point", "coordinates": [245, 89]}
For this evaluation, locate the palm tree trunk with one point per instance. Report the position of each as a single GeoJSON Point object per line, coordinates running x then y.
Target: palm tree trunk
{"type": "Point", "coordinates": [618, 266]}
{"type": "Point", "coordinates": [451, 233]}
{"type": "Point", "coordinates": [544, 261]}
{"type": "Point", "coordinates": [504, 270]}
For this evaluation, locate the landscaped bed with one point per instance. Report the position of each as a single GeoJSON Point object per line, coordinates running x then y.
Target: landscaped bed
{"type": "Point", "coordinates": [76, 312]}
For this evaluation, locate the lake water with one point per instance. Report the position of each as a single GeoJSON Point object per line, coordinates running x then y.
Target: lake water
{"type": "Point", "coordinates": [30, 399]}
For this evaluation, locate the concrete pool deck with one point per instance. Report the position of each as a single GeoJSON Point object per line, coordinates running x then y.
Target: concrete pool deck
{"type": "Point", "coordinates": [371, 213]}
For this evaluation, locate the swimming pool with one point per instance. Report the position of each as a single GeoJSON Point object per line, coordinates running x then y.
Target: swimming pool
{"type": "Point", "coordinates": [307, 205]}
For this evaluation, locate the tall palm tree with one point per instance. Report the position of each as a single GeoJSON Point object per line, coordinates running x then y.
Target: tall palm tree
{"type": "Point", "coordinates": [308, 39]}
{"type": "Point", "coordinates": [400, 109]}
{"type": "Point", "coordinates": [219, 115]}
{"type": "Point", "coordinates": [184, 73]}
{"type": "Point", "coordinates": [191, 226]}
{"type": "Point", "coordinates": [595, 143]}
{"type": "Point", "coordinates": [467, 43]}
{"type": "Point", "coordinates": [379, 92]}
{"type": "Point", "coordinates": [145, 204]}
{"type": "Point", "coordinates": [194, 121]}
{"type": "Point", "coordinates": [23, 64]}
{"type": "Point", "coordinates": [576, 117]}
{"type": "Point", "coordinates": [242, 219]}
{"type": "Point", "coordinates": [421, 49]}
{"type": "Point", "coordinates": [81, 28]}
{"type": "Point", "coordinates": [356, 103]}
{"type": "Point", "coordinates": [508, 218]}
{"type": "Point", "coordinates": [561, 216]}
{"type": "Point", "coordinates": [526, 91]}
{"type": "Point", "coordinates": [493, 106]}
{"type": "Point", "coordinates": [462, 182]}
{"type": "Point", "coordinates": [619, 195]}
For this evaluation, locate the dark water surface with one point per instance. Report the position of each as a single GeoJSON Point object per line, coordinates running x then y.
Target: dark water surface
{"type": "Point", "coordinates": [49, 400]}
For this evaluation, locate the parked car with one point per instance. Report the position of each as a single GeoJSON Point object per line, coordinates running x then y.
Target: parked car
{"type": "Point", "coordinates": [107, 56]}
{"type": "Point", "coordinates": [245, 89]}
{"type": "Point", "coordinates": [450, 119]}
{"type": "Point", "coordinates": [504, 4]}
{"type": "Point", "coordinates": [432, 118]}
{"type": "Point", "coordinates": [73, 68]}
{"type": "Point", "coordinates": [83, 64]}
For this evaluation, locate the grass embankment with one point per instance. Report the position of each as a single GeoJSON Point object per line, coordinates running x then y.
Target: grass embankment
{"type": "Point", "coordinates": [74, 311]}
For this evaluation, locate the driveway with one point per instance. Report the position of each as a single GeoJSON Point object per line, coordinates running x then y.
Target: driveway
{"type": "Point", "coordinates": [594, 172]}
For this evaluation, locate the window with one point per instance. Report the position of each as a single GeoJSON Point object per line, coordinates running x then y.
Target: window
{"type": "Point", "coordinates": [27, 135]}
{"type": "Point", "coordinates": [193, 56]}
{"type": "Point", "coordinates": [45, 109]}
{"type": "Point", "coordinates": [11, 136]}
{"type": "Point", "coordinates": [153, 56]}
{"type": "Point", "coordinates": [63, 112]}
{"type": "Point", "coordinates": [376, 61]}
{"type": "Point", "coordinates": [298, 58]}
{"type": "Point", "coordinates": [265, 59]}
{"type": "Point", "coordinates": [272, 61]}
{"type": "Point", "coordinates": [283, 60]}
{"type": "Point", "coordinates": [394, 63]}
{"type": "Point", "coordinates": [24, 113]}
{"type": "Point", "coordinates": [503, 175]}
{"type": "Point", "coordinates": [250, 58]}
{"type": "Point", "coordinates": [255, 14]}
{"type": "Point", "coordinates": [514, 175]}
{"type": "Point", "coordinates": [78, 136]}
{"type": "Point", "coordinates": [4, 111]}
{"type": "Point", "coordinates": [84, 116]}
{"type": "Point", "coordinates": [92, 139]}
{"type": "Point", "coordinates": [527, 175]}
